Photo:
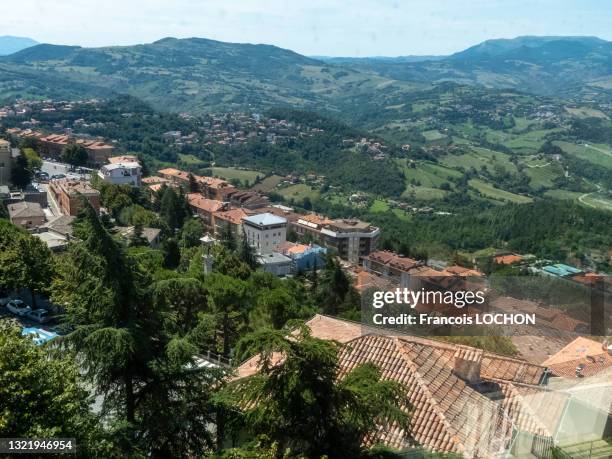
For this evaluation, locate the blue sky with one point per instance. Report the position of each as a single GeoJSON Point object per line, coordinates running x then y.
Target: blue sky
{"type": "Point", "coordinates": [312, 27]}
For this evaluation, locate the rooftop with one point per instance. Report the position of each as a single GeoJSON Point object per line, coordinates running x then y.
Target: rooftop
{"type": "Point", "coordinates": [265, 219]}
{"type": "Point", "coordinates": [200, 202]}
{"type": "Point", "coordinates": [72, 187]}
{"type": "Point", "coordinates": [448, 414]}
{"type": "Point", "coordinates": [25, 209]}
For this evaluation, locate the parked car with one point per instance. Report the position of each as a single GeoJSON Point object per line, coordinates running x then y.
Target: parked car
{"type": "Point", "coordinates": [18, 307]}
{"type": "Point", "coordinates": [39, 315]}
{"type": "Point", "coordinates": [58, 176]}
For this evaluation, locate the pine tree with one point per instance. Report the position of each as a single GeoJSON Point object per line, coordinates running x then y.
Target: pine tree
{"type": "Point", "coordinates": [247, 254]}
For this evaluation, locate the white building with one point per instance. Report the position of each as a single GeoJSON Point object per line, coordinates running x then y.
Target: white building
{"type": "Point", "coordinates": [265, 232]}
{"type": "Point", "coordinates": [121, 173]}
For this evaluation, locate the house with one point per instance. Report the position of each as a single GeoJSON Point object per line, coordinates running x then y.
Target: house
{"type": "Point", "coordinates": [97, 152]}
{"type": "Point", "coordinates": [462, 400]}
{"type": "Point", "coordinates": [205, 208]}
{"type": "Point", "coordinates": [508, 259]}
{"type": "Point", "coordinates": [123, 159]}
{"type": "Point", "coordinates": [28, 215]}
{"type": "Point", "coordinates": [151, 235]}
{"type": "Point", "coordinates": [68, 192]}
{"type": "Point", "coordinates": [392, 266]}
{"type": "Point", "coordinates": [118, 173]}
{"type": "Point", "coordinates": [265, 231]}
{"type": "Point", "coordinates": [581, 358]}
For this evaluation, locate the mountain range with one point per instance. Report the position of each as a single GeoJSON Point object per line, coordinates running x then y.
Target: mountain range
{"type": "Point", "coordinates": [201, 75]}
{"type": "Point", "coordinates": [10, 44]}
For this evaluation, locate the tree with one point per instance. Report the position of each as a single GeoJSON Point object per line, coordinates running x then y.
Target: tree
{"type": "Point", "coordinates": [135, 358]}
{"type": "Point", "coordinates": [302, 404]}
{"type": "Point", "coordinates": [21, 175]}
{"type": "Point", "coordinates": [173, 208]}
{"type": "Point", "coordinates": [227, 237]}
{"type": "Point", "coordinates": [335, 285]}
{"type": "Point", "coordinates": [193, 184]}
{"type": "Point", "coordinates": [74, 154]}
{"type": "Point", "coordinates": [137, 239]}
{"type": "Point", "coordinates": [41, 395]}
{"type": "Point", "coordinates": [228, 298]}
{"type": "Point", "coordinates": [247, 254]}
{"type": "Point", "coordinates": [172, 253]}
{"type": "Point", "coordinates": [34, 161]}
{"type": "Point", "coordinates": [191, 233]}
{"type": "Point", "coordinates": [25, 261]}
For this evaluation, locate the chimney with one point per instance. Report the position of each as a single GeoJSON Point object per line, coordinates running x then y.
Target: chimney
{"type": "Point", "coordinates": [467, 362]}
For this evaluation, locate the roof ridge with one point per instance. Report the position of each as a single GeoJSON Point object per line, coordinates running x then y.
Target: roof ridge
{"type": "Point", "coordinates": [430, 397]}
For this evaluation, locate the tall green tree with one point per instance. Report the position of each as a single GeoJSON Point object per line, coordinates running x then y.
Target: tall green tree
{"type": "Point", "coordinates": [173, 208]}
{"type": "Point", "coordinates": [21, 174]}
{"type": "Point", "coordinates": [130, 351]}
{"type": "Point", "coordinates": [247, 254]}
{"type": "Point", "coordinates": [25, 261]}
{"type": "Point", "coordinates": [302, 404]}
{"type": "Point", "coordinates": [41, 395]}
{"type": "Point", "coordinates": [74, 154]}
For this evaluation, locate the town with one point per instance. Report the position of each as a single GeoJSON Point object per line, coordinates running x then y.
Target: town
{"type": "Point", "coordinates": [61, 175]}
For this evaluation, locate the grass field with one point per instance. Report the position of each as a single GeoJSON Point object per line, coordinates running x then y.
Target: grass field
{"type": "Point", "coordinates": [299, 192]}
{"type": "Point", "coordinates": [268, 184]}
{"type": "Point", "coordinates": [191, 160]}
{"type": "Point", "coordinates": [541, 172]}
{"type": "Point", "coordinates": [599, 154]}
{"type": "Point", "coordinates": [244, 175]}
{"type": "Point", "coordinates": [586, 112]}
{"type": "Point", "coordinates": [424, 193]}
{"type": "Point", "coordinates": [479, 157]}
{"type": "Point", "coordinates": [597, 200]}
{"type": "Point", "coordinates": [379, 206]}
{"type": "Point", "coordinates": [563, 195]}
{"type": "Point", "coordinates": [427, 173]}
{"type": "Point", "coordinates": [433, 135]}
{"type": "Point", "coordinates": [490, 191]}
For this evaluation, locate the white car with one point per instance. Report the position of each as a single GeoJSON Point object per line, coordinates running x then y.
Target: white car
{"type": "Point", "coordinates": [39, 315]}
{"type": "Point", "coordinates": [18, 307]}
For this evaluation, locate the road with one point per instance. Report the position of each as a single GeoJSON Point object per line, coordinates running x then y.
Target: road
{"type": "Point", "coordinates": [53, 168]}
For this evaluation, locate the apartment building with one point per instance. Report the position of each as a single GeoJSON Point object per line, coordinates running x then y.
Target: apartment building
{"type": "Point", "coordinates": [121, 173]}
{"type": "Point", "coordinates": [67, 194]}
{"type": "Point", "coordinates": [351, 239]}
{"type": "Point", "coordinates": [210, 187]}
{"type": "Point", "coordinates": [205, 208]}
{"type": "Point", "coordinates": [52, 145]}
{"type": "Point", "coordinates": [265, 232]}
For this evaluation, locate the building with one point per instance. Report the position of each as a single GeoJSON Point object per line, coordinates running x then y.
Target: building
{"type": "Point", "coordinates": [276, 263]}
{"type": "Point", "coordinates": [67, 194]}
{"type": "Point", "coordinates": [28, 215]}
{"type": "Point", "coordinates": [5, 162]}
{"type": "Point", "coordinates": [205, 208]}
{"type": "Point", "coordinates": [230, 218]}
{"type": "Point", "coordinates": [52, 145]}
{"type": "Point", "coordinates": [462, 400]}
{"type": "Point", "coordinates": [392, 266]}
{"type": "Point", "coordinates": [581, 358]}
{"type": "Point", "coordinates": [118, 173]}
{"type": "Point", "coordinates": [210, 187]}
{"type": "Point", "coordinates": [265, 232]}
{"type": "Point", "coordinates": [351, 239]}
{"type": "Point", "coordinates": [305, 257]}
{"type": "Point", "coordinates": [123, 159]}
{"type": "Point", "coordinates": [246, 198]}
{"type": "Point", "coordinates": [151, 235]}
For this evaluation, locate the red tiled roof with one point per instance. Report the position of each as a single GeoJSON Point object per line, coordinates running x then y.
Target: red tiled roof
{"type": "Point", "coordinates": [447, 414]}
{"type": "Point", "coordinates": [507, 259]}
{"type": "Point", "coordinates": [234, 216]}
{"type": "Point", "coordinates": [200, 202]}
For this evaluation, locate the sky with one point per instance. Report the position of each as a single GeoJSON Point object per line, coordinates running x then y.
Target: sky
{"type": "Point", "coordinates": [310, 27]}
